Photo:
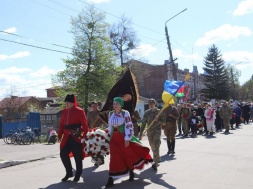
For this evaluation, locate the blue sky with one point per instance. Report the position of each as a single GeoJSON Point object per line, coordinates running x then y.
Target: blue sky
{"type": "Point", "coordinates": [26, 70]}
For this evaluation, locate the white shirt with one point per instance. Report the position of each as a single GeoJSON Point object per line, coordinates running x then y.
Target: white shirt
{"type": "Point", "coordinates": [116, 120]}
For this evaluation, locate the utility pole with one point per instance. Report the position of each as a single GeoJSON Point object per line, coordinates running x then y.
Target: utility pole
{"type": "Point", "coordinates": [171, 60]}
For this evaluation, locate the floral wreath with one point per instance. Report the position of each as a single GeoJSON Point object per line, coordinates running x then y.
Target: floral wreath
{"type": "Point", "coordinates": [97, 142]}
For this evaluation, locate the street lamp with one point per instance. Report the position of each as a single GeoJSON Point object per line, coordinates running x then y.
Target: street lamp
{"type": "Point", "coordinates": [169, 47]}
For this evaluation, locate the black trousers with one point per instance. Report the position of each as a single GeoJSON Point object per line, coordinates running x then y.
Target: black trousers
{"type": "Point", "coordinates": [76, 148]}
{"type": "Point", "coordinates": [217, 123]}
{"type": "Point", "coordinates": [205, 127]}
{"type": "Point", "coordinates": [237, 121]}
{"type": "Point", "coordinates": [194, 128]}
{"type": "Point", "coordinates": [246, 118]}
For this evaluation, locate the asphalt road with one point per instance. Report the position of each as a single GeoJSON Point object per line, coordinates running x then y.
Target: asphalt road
{"type": "Point", "coordinates": [224, 161]}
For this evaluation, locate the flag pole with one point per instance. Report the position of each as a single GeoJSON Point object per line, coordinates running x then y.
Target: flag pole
{"type": "Point", "coordinates": [187, 76]}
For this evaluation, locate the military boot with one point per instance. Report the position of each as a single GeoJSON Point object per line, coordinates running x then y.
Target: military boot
{"type": "Point", "coordinates": [173, 147]}
{"type": "Point", "coordinates": [169, 146]}
{"type": "Point", "coordinates": [109, 182]}
{"type": "Point", "coordinates": [131, 175]}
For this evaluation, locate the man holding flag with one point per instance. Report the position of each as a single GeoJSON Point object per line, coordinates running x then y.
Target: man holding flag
{"type": "Point", "coordinates": [170, 113]}
{"type": "Point", "coordinates": [171, 116]}
{"type": "Point", "coordinates": [170, 89]}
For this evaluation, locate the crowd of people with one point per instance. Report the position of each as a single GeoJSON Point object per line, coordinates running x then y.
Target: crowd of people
{"type": "Point", "coordinates": [207, 118]}
{"type": "Point", "coordinates": [127, 153]}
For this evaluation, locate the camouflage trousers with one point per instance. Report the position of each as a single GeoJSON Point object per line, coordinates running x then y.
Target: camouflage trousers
{"type": "Point", "coordinates": [226, 123]}
{"type": "Point", "coordinates": [136, 129]}
{"type": "Point", "coordinates": [154, 139]}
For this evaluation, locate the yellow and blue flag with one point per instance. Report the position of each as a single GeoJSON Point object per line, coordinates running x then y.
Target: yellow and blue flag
{"type": "Point", "coordinates": [170, 89]}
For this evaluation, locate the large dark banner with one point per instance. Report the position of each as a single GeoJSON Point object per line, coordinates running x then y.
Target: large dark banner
{"type": "Point", "coordinates": [127, 89]}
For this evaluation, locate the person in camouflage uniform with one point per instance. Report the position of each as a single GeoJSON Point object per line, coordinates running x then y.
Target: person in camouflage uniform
{"type": "Point", "coordinates": [135, 118]}
{"type": "Point", "coordinates": [226, 114]}
{"type": "Point", "coordinates": [185, 115]}
{"type": "Point", "coordinates": [92, 116]}
{"type": "Point", "coordinates": [171, 115]}
{"type": "Point", "coordinates": [154, 132]}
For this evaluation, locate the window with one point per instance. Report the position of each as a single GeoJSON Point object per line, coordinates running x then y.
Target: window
{"type": "Point", "coordinates": [48, 117]}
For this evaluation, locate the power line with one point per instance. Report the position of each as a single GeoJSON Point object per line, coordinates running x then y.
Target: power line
{"type": "Point", "coordinates": [26, 86]}
{"type": "Point", "coordinates": [51, 8]}
{"type": "Point", "coordinates": [35, 40]}
{"type": "Point", "coordinates": [75, 10]}
{"type": "Point", "coordinates": [35, 46]}
{"type": "Point", "coordinates": [63, 5]}
{"type": "Point", "coordinates": [119, 17]}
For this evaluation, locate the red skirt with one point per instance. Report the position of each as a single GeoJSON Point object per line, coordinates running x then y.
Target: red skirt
{"type": "Point", "coordinates": [123, 159]}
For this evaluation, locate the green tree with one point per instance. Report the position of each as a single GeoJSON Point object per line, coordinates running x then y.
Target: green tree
{"type": "Point", "coordinates": [246, 90]}
{"type": "Point", "coordinates": [215, 76]}
{"type": "Point", "coordinates": [92, 71]}
{"type": "Point", "coordinates": [233, 81]}
{"type": "Point", "coordinates": [123, 39]}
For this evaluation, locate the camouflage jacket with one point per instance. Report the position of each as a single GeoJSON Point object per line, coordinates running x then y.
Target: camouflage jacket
{"type": "Point", "coordinates": [226, 112]}
{"type": "Point", "coordinates": [148, 117]}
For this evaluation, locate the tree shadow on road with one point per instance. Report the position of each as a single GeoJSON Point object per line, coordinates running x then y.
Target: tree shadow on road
{"type": "Point", "coordinates": [167, 157]}
{"type": "Point", "coordinates": [96, 180]}
{"type": "Point", "coordinates": [89, 180]}
{"type": "Point", "coordinates": [154, 177]}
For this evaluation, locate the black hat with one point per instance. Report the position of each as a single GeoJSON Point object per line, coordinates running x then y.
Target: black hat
{"type": "Point", "coordinates": [70, 98]}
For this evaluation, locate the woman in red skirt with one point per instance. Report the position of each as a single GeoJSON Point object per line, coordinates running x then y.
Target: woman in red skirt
{"type": "Point", "coordinates": [126, 151]}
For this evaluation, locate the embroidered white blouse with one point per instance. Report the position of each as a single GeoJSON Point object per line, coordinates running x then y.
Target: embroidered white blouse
{"type": "Point", "coordinates": [115, 120]}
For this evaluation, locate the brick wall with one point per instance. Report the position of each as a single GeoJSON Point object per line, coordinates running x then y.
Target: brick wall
{"type": "Point", "coordinates": [149, 78]}
{"type": "Point", "coordinates": [51, 93]}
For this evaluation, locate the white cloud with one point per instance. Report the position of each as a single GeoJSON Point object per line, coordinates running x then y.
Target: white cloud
{"type": "Point", "coordinates": [243, 8]}
{"type": "Point", "coordinates": [224, 32]}
{"type": "Point", "coordinates": [24, 81]}
{"type": "Point", "coordinates": [242, 60]}
{"type": "Point", "coordinates": [177, 53]}
{"type": "Point", "coordinates": [238, 56]}
{"type": "Point", "coordinates": [42, 72]}
{"type": "Point", "coordinates": [11, 30]}
{"type": "Point", "coordinates": [143, 50]}
{"type": "Point", "coordinates": [14, 70]}
{"type": "Point", "coordinates": [99, 1]}
{"type": "Point", "coordinates": [14, 56]}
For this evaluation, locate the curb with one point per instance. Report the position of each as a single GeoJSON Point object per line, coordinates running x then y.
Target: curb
{"type": "Point", "coordinates": [5, 164]}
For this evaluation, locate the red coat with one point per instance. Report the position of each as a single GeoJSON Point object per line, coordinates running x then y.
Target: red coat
{"type": "Point", "coordinates": [74, 115]}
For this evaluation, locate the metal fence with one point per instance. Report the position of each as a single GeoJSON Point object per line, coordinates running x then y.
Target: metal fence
{"type": "Point", "coordinates": [33, 121]}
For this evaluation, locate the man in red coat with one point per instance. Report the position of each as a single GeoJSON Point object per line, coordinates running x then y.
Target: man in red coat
{"type": "Point", "coordinates": [73, 128]}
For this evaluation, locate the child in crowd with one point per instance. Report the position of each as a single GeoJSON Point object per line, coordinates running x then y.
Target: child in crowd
{"type": "Point", "coordinates": [193, 123]}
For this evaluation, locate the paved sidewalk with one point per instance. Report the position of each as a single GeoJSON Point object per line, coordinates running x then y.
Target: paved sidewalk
{"type": "Point", "coordinates": [15, 154]}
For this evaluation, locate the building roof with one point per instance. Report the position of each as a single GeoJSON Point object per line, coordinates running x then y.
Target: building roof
{"type": "Point", "coordinates": [51, 110]}
{"type": "Point", "coordinates": [144, 99]}
{"type": "Point", "coordinates": [16, 100]}
{"type": "Point", "coordinates": [52, 99]}
{"type": "Point", "coordinates": [53, 88]}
